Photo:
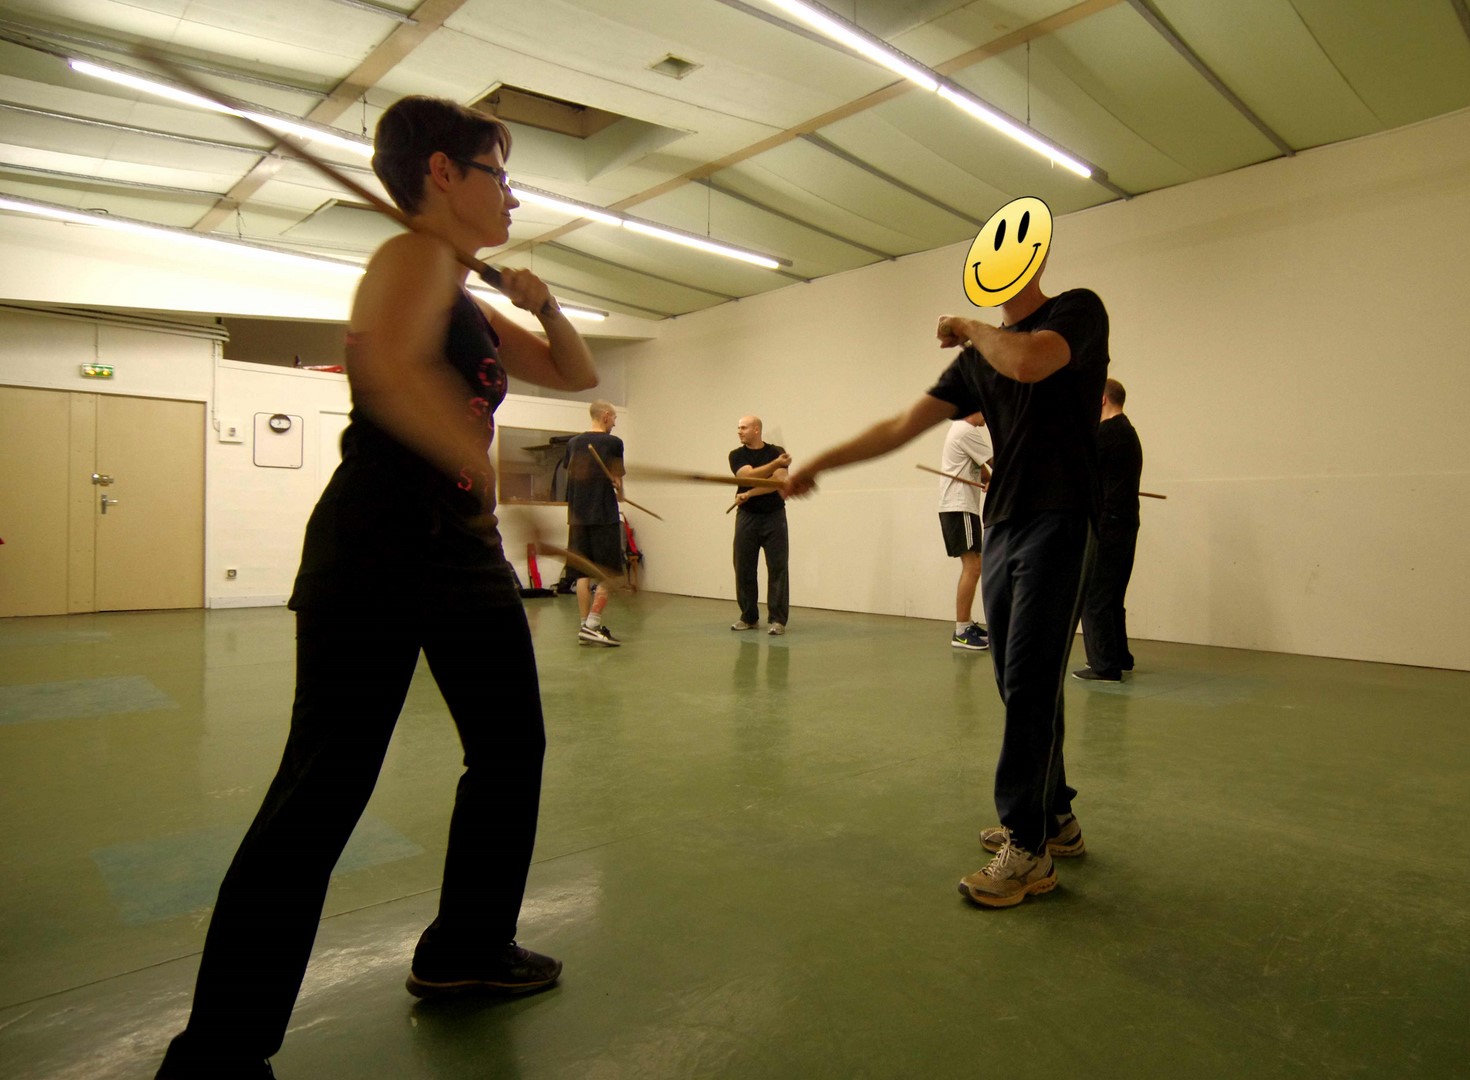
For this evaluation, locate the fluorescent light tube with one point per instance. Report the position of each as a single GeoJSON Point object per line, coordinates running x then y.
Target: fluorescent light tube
{"type": "Point", "coordinates": [689, 240]}
{"type": "Point", "coordinates": [185, 97]}
{"type": "Point", "coordinates": [859, 40]}
{"type": "Point", "coordinates": [565, 206]}
{"type": "Point", "coordinates": [986, 115]}
{"type": "Point", "coordinates": [127, 225]}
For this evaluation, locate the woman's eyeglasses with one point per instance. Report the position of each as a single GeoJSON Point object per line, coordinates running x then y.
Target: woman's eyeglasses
{"type": "Point", "coordinates": [501, 177]}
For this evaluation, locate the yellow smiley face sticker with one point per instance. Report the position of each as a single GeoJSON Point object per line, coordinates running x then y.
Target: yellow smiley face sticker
{"type": "Point", "coordinates": [1008, 251]}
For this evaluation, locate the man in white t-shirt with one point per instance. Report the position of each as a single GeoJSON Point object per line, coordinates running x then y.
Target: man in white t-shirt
{"type": "Point", "coordinates": [966, 457]}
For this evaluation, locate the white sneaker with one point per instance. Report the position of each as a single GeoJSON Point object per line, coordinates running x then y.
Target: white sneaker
{"type": "Point", "coordinates": [1010, 877]}
{"type": "Point", "coordinates": [741, 624]}
{"type": "Point", "coordinates": [777, 629]}
{"type": "Point", "coordinates": [596, 635]}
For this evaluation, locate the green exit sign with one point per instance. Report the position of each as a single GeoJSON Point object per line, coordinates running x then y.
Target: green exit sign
{"type": "Point", "coordinates": [96, 371]}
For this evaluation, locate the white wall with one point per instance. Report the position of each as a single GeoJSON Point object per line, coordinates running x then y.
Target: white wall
{"type": "Point", "coordinates": [254, 516]}
{"type": "Point", "coordinates": [1295, 339]}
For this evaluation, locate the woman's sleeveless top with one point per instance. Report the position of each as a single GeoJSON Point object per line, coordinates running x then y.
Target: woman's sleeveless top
{"type": "Point", "coordinates": [391, 531]}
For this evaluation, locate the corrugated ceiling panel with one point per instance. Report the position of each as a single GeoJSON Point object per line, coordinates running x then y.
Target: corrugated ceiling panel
{"type": "Point", "coordinates": [672, 261]}
{"type": "Point", "coordinates": [812, 254]}
{"type": "Point", "coordinates": [958, 160]}
{"type": "Point", "coordinates": [284, 34]}
{"type": "Point", "coordinates": [912, 224]}
{"type": "Point", "coordinates": [1406, 61]}
{"type": "Point", "coordinates": [160, 209]}
{"type": "Point", "coordinates": [1266, 55]}
{"type": "Point", "coordinates": [754, 180]}
{"type": "Point", "coordinates": [77, 160]}
{"type": "Point", "coordinates": [1120, 62]}
{"type": "Point", "coordinates": [973, 25]}
{"type": "Point", "coordinates": [749, 69]}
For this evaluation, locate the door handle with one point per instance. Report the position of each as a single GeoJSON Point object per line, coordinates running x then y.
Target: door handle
{"type": "Point", "coordinates": [101, 479]}
{"type": "Point", "coordinates": [106, 502]}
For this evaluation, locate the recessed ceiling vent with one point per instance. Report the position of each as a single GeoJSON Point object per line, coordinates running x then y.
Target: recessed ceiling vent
{"type": "Point", "coordinates": [517, 106]}
{"type": "Point", "coordinates": [675, 67]}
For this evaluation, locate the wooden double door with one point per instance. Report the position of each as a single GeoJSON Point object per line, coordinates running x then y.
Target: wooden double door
{"type": "Point", "coordinates": [101, 502]}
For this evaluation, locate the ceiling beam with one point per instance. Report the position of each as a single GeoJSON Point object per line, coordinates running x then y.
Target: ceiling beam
{"type": "Point", "coordinates": [379, 9]}
{"type": "Point", "coordinates": [1463, 11]}
{"type": "Point", "coordinates": [128, 129]}
{"type": "Point", "coordinates": [580, 254]}
{"type": "Point", "coordinates": [1157, 21]}
{"type": "Point", "coordinates": [1049, 25]}
{"type": "Point", "coordinates": [729, 193]}
{"type": "Point", "coordinates": [36, 37]}
{"type": "Point", "coordinates": [388, 54]}
{"type": "Point", "coordinates": [93, 180]}
{"type": "Point", "coordinates": [888, 178]}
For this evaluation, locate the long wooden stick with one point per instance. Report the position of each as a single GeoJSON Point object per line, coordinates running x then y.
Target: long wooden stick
{"type": "Point", "coordinates": [952, 476]}
{"type": "Point", "coordinates": [961, 479]}
{"type": "Point", "coordinates": [613, 481]}
{"type": "Point", "coordinates": [490, 275]}
{"type": "Point", "coordinates": [660, 472]}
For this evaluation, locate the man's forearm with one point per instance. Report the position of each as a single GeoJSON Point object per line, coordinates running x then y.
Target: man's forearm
{"type": "Point", "coordinates": [1020, 356]}
{"type": "Point", "coordinates": [882, 438]}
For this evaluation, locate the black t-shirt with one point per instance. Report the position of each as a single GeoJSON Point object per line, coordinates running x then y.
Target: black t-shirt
{"type": "Point", "coordinates": [1120, 463]}
{"type": "Point", "coordinates": [591, 498]}
{"type": "Point", "coordinates": [770, 501]}
{"type": "Point", "coordinates": [391, 531]}
{"type": "Point", "coordinates": [1044, 432]}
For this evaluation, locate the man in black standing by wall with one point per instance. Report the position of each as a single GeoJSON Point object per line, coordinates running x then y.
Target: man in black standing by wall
{"type": "Point", "coordinates": [1120, 463]}
{"type": "Point", "coordinates": [760, 523]}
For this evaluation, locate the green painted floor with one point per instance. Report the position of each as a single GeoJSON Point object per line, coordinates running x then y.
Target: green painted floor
{"type": "Point", "coordinates": [748, 856]}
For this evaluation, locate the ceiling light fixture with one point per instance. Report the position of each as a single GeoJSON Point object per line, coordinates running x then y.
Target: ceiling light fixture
{"type": "Point", "coordinates": [128, 225]}
{"type": "Point", "coordinates": [567, 206]}
{"type": "Point", "coordinates": [678, 236]}
{"type": "Point", "coordinates": [647, 228]}
{"type": "Point", "coordinates": [860, 41]}
{"type": "Point", "coordinates": [301, 130]}
{"type": "Point", "coordinates": [854, 37]}
{"type": "Point", "coordinates": [314, 133]}
{"type": "Point", "coordinates": [236, 247]}
{"type": "Point", "coordinates": [985, 114]}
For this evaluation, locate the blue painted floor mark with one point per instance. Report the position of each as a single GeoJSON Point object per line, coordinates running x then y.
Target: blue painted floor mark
{"type": "Point", "coordinates": [35, 702]}
{"type": "Point", "coordinates": [30, 639]}
{"type": "Point", "coordinates": [174, 875]}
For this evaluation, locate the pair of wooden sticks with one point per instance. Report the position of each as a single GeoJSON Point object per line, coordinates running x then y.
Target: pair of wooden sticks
{"type": "Point", "coordinates": [611, 479]}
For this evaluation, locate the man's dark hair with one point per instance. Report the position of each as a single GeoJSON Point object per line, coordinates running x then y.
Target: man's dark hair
{"type": "Point", "coordinates": [1114, 392]}
{"type": "Point", "coordinates": [414, 128]}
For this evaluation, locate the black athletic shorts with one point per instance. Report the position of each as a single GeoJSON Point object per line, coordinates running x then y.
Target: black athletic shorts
{"type": "Point", "coordinates": [602, 544]}
{"type": "Point", "coordinates": [961, 531]}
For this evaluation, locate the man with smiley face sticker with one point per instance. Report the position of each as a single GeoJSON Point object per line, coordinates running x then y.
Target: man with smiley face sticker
{"type": "Point", "coordinates": [1037, 379]}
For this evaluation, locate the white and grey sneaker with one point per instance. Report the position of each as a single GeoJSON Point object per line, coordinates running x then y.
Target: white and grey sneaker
{"type": "Point", "coordinates": [777, 629]}
{"type": "Point", "coordinates": [741, 624]}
